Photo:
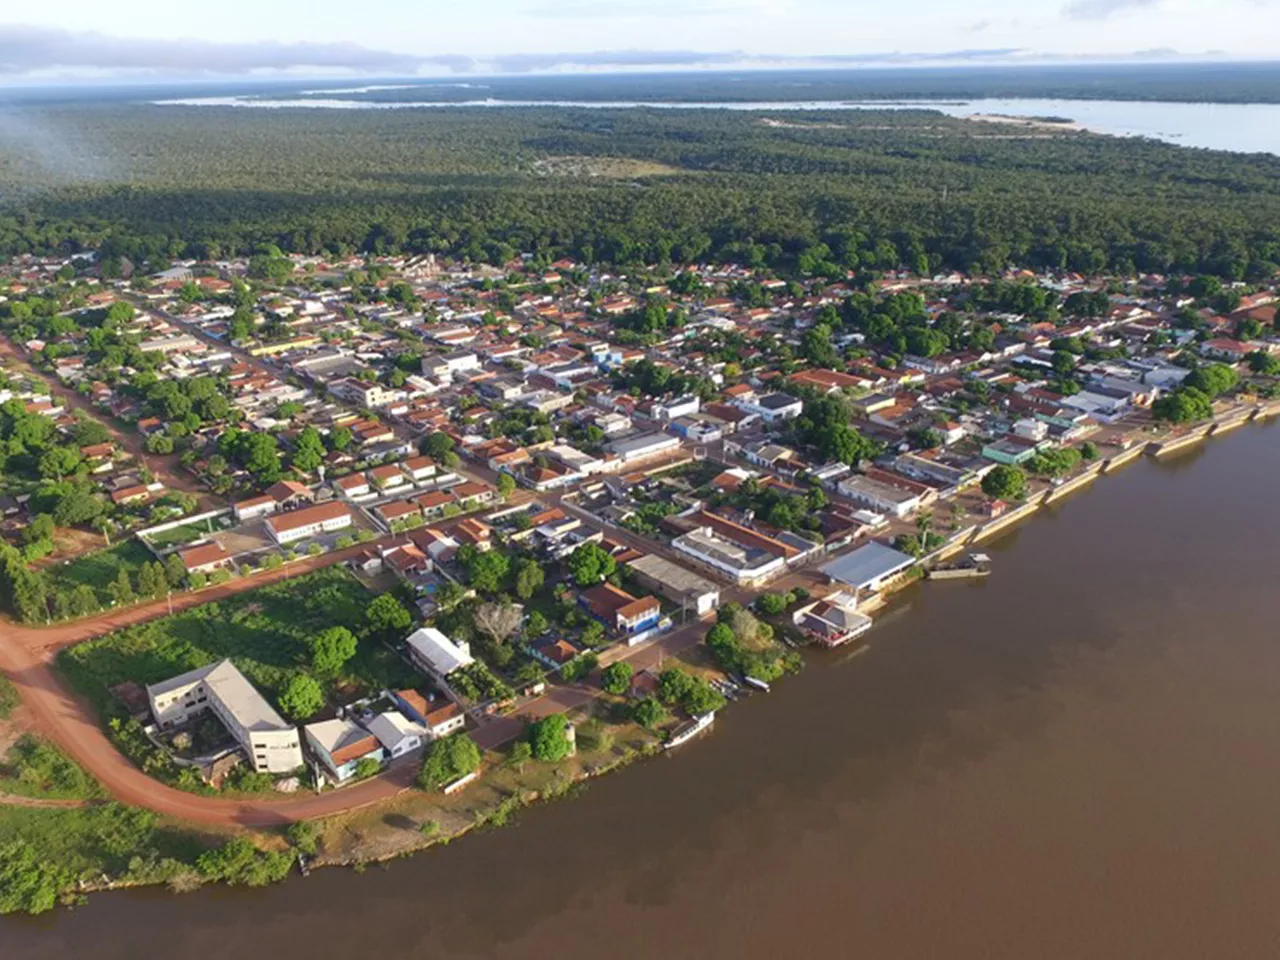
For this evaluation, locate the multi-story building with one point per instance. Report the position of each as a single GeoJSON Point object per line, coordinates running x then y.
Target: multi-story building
{"type": "Point", "coordinates": [271, 744]}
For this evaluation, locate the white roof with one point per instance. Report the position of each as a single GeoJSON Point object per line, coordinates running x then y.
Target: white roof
{"type": "Point", "coordinates": [439, 651]}
{"type": "Point", "coordinates": [392, 727]}
{"type": "Point", "coordinates": [233, 691]}
{"type": "Point", "coordinates": [333, 735]}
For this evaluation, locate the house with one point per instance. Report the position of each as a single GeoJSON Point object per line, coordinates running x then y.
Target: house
{"type": "Point", "coordinates": [435, 654]}
{"type": "Point", "coordinates": [289, 494]}
{"type": "Point", "coordinates": [355, 485]}
{"type": "Point", "coordinates": [340, 745]}
{"type": "Point", "coordinates": [440, 718]}
{"type": "Point", "coordinates": [205, 557]}
{"type": "Point", "coordinates": [773, 407]}
{"type": "Point", "coordinates": [397, 733]}
{"type": "Point", "coordinates": [388, 477]}
{"type": "Point", "coordinates": [473, 494]}
{"type": "Point", "coordinates": [254, 507]}
{"type": "Point", "coordinates": [833, 621]}
{"type": "Point", "coordinates": [674, 409]}
{"type": "Point", "coordinates": [271, 745]}
{"type": "Point", "coordinates": [1011, 451]}
{"type": "Point", "coordinates": [620, 611]}
{"type": "Point", "coordinates": [419, 468]}
{"type": "Point", "coordinates": [309, 522]}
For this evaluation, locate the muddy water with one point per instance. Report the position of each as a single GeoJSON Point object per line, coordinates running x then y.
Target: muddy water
{"type": "Point", "coordinates": [1077, 758]}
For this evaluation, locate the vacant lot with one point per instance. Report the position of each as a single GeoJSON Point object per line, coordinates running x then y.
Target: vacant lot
{"type": "Point", "coordinates": [264, 631]}
{"type": "Point", "coordinates": [100, 568]}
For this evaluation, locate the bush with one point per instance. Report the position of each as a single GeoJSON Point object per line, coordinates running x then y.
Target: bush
{"type": "Point", "coordinates": [35, 768]}
{"type": "Point", "coordinates": [239, 862]}
{"type": "Point", "coordinates": [8, 697]}
{"type": "Point", "coordinates": [447, 760]}
{"type": "Point", "coordinates": [772, 604]}
{"type": "Point", "coordinates": [650, 713]}
{"type": "Point", "coordinates": [304, 837]}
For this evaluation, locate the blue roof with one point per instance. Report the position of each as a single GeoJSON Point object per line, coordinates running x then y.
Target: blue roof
{"type": "Point", "coordinates": [869, 563]}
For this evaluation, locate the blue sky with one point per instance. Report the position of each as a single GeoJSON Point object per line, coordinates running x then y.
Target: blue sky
{"type": "Point", "coordinates": [141, 38]}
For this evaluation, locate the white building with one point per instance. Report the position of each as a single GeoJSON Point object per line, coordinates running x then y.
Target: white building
{"type": "Point", "coordinates": [435, 654]}
{"type": "Point", "coordinates": [645, 447]}
{"type": "Point", "coordinates": [397, 733]}
{"type": "Point", "coordinates": [772, 407]}
{"type": "Point", "coordinates": [309, 522]}
{"type": "Point", "coordinates": [271, 744]}
{"type": "Point", "coordinates": [894, 501]}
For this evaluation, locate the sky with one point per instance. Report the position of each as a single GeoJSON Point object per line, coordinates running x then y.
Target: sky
{"type": "Point", "coordinates": [155, 39]}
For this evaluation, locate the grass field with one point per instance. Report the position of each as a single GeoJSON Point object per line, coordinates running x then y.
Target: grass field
{"type": "Point", "coordinates": [177, 536]}
{"type": "Point", "coordinates": [100, 568]}
{"type": "Point", "coordinates": [36, 768]}
{"type": "Point", "coordinates": [263, 631]}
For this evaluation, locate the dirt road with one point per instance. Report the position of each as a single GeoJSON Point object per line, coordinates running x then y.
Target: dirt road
{"type": "Point", "coordinates": [165, 468]}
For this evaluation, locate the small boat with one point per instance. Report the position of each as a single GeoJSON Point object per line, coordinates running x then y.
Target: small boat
{"type": "Point", "coordinates": [687, 731]}
{"type": "Point", "coordinates": [757, 684]}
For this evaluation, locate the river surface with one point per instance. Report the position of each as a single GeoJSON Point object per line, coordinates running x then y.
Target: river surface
{"type": "Point", "coordinates": [1078, 758]}
{"type": "Point", "coordinates": [1238, 127]}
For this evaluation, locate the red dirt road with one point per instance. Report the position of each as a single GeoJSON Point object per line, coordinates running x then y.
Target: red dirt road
{"type": "Point", "coordinates": [26, 654]}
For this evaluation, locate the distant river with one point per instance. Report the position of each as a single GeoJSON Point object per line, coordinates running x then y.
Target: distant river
{"type": "Point", "coordinates": [1077, 758]}
{"type": "Point", "coordinates": [1239, 127]}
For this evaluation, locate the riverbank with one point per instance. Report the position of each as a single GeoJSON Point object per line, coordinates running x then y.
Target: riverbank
{"type": "Point", "coordinates": [410, 821]}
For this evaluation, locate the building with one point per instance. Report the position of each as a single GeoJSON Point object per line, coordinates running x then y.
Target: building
{"type": "Point", "coordinates": [677, 584]}
{"type": "Point", "coordinates": [883, 497]}
{"type": "Point", "coordinates": [205, 557]}
{"type": "Point", "coordinates": [309, 522]}
{"type": "Point", "coordinates": [645, 447]}
{"type": "Point", "coordinates": [435, 654]}
{"type": "Point", "coordinates": [397, 733]}
{"type": "Point", "coordinates": [271, 744]}
{"type": "Point", "coordinates": [773, 407]}
{"type": "Point", "coordinates": [869, 568]}
{"type": "Point", "coordinates": [340, 745]}
{"type": "Point", "coordinates": [440, 718]}
{"type": "Point", "coordinates": [833, 621]}
{"type": "Point", "coordinates": [255, 507]}
{"type": "Point", "coordinates": [618, 610]}
{"type": "Point", "coordinates": [746, 561]}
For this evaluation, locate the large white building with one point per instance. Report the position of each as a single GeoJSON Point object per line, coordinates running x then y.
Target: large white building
{"type": "Point", "coordinates": [309, 522]}
{"type": "Point", "coordinates": [271, 744]}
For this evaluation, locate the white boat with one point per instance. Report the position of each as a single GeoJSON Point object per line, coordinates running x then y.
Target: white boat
{"type": "Point", "coordinates": [688, 731]}
{"type": "Point", "coordinates": [757, 684]}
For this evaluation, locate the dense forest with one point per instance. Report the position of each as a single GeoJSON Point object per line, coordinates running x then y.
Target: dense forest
{"type": "Point", "coordinates": [809, 192]}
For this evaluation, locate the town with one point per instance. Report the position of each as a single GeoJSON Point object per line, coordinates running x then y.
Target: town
{"type": "Point", "coordinates": [306, 532]}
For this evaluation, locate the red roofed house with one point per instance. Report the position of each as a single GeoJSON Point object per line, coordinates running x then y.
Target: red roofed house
{"type": "Point", "coordinates": [309, 521]}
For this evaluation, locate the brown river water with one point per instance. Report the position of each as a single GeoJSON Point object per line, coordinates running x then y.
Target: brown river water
{"type": "Point", "coordinates": [1077, 758]}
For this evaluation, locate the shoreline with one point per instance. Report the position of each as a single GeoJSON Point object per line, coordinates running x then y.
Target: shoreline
{"type": "Point", "coordinates": [495, 810]}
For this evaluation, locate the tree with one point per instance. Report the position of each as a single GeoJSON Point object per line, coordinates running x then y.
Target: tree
{"type": "Point", "coordinates": [40, 528]}
{"type": "Point", "coordinates": [308, 450]}
{"type": "Point", "coordinates": [488, 571]}
{"type": "Point", "coordinates": [521, 752]}
{"type": "Point", "coordinates": [674, 685]}
{"type": "Point", "coordinates": [331, 649]}
{"type": "Point", "coordinates": [57, 462]}
{"type": "Point", "coordinates": [498, 621]}
{"type": "Point", "coordinates": [386, 615]}
{"type": "Point", "coordinates": [529, 578]}
{"type": "Point", "coordinates": [175, 571]}
{"type": "Point", "coordinates": [1005, 482]}
{"type": "Point", "coordinates": [1184, 405]}
{"type": "Point", "coordinates": [593, 634]}
{"type": "Point", "coordinates": [121, 589]}
{"type": "Point", "coordinates": [1212, 379]}
{"type": "Point", "coordinates": [536, 624]}
{"type": "Point", "coordinates": [506, 485]}
{"type": "Point", "coordinates": [591, 564]}
{"type": "Point", "coordinates": [650, 713]}
{"type": "Point", "coordinates": [1266, 364]}
{"type": "Point", "coordinates": [29, 881]}
{"type": "Point", "coordinates": [772, 604]}
{"type": "Point", "coordinates": [447, 760]}
{"type": "Point", "coordinates": [302, 698]}
{"type": "Point", "coordinates": [152, 581]}
{"type": "Point", "coordinates": [239, 862]}
{"type": "Point", "coordinates": [549, 738]}
{"type": "Point", "coordinates": [437, 446]}
{"type": "Point", "coordinates": [304, 837]}
{"type": "Point", "coordinates": [616, 678]}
